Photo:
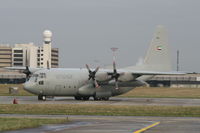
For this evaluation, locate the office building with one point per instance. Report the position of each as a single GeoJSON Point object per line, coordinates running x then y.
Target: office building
{"type": "Point", "coordinates": [21, 55]}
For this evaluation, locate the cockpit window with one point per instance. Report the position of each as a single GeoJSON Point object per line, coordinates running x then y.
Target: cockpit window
{"type": "Point", "coordinates": [42, 75]}
{"type": "Point", "coordinates": [41, 82]}
{"type": "Point", "coordinates": [34, 77]}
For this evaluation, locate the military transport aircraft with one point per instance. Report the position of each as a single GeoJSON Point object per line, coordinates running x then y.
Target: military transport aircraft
{"type": "Point", "coordinates": [101, 84]}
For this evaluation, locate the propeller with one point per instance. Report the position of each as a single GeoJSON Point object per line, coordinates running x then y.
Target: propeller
{"type": "Point", "coordinates": [92, 75]}
{"type": "Point", "coordinates": [27, 71]}
{"type": "Point", "coordinates": [115, 75]}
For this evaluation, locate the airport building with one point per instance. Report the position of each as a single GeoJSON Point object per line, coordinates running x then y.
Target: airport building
{"type": "Point", "coordinates": [21, 55]}
{"type": "Point", "coordinates": [5, 56]}
{"type": "Point", "coordinates": [176, 81]}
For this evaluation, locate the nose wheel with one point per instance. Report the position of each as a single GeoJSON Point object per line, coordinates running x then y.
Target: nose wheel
{"type": "Point", "coordinates": [42, 97]}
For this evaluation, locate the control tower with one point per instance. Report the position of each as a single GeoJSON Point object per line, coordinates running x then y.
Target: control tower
{"type": "Point", "coordinates": [46, 50]}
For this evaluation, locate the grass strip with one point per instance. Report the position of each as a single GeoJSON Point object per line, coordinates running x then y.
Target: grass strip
{"type": "Point", "coordinates": [142, 92]}
{"type": "Point", "coordinates": [163, 92]}
{"type": "Point", "coordinates": [20, 123]}
{"type": "Point", "coordinates": [4, 90]}
{"type": "Point", "coordinates": [107, 110]}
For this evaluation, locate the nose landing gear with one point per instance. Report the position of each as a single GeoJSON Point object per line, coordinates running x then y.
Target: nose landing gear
{"type": "Point", "coordinates": [42, 97]}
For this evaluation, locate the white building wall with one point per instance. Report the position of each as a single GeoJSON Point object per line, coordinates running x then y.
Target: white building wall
{"type": "Point", "coordinates": [33, 56]}
{"type": "Point", "coordinates": [18, 58]}
{"type": "Point", "coordinates": [31, 50]}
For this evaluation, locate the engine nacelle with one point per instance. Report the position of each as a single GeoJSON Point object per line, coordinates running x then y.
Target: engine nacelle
{"type": "Point", "coordinates": [102, 77]}
{"type": "Point", "coordinates": [127, 77]}
{"type": "Point", "coordinates": [86, 90]}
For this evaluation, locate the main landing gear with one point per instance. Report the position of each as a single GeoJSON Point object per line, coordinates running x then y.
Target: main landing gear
{"type": "Point", "coordinates": [82, 98]}
{"type": "Point", "coordinates": [102, 98]}
{"type": "Point", "coordinates": [86, 98]}
{"type": "Point", "coordinates": [42, 97]}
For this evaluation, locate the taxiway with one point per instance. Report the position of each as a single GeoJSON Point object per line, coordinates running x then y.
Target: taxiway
{"type": "Point", "coordinates": [115, 124]}
{"type": "Point", "coordinates": [112, 101]}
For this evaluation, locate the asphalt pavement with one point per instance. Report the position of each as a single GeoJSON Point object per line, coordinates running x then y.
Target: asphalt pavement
{"type": "Point", "coordinates": [114, 124]}
{"type": "Point", "coordinates": [112, 101]}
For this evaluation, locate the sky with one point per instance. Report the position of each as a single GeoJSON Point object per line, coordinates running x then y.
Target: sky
{"type": "Point", "coordinates": [85, 30]}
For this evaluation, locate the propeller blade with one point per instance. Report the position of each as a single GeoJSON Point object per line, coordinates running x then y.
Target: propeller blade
{"type": "Point", "coordinates": [92, 75]}
{"type": "Point", "coordinates": [116, 85]}
{"type": "Point", "coordinates": [87, 67]}
{"type": "Point", "coordinates": [115, 75]}
{"type": "Point", "coordinates": [96, 84]}
{"type": "Point", "coordinates": [96, 69]}
{"type": "Point", "coordinates": [27, 72]}
{"type": "Point", "coordinates": [114, 65]}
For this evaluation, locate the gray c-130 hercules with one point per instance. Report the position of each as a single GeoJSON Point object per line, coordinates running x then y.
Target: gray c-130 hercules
{"type": "Point", "coordinates": [101, 84]}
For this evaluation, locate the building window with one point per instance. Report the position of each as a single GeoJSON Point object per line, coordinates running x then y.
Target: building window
{"type": "Point", "coordinates": [5, 53]}
{"type": "Point", "coordinates": [54, 59]}
{"type": "Point", "coordinates": [18, 55]}
{"type": "Point", "coordinates": [18, 51]}
{"type": "Point", "coordinates": [18, 59]}
{"type": "Point", "coordinates": [41, 58]}
{"type": "Point", "coordinates": [54, 55]}
{"type": "Point", "coordinates": [54, 64]}
{"type": "Point", "coordinates": [6, 50]}
{"type": "Point", "coordinates": [18, 64]}
{"type": "Point", "coordinates": [41, 63]}
{"type": "Point", "coordinates": [46, 42]}
{"type": "Point", "coordinates": [41, 54]}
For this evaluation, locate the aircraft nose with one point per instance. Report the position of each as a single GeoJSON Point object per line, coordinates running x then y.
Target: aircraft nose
{"type": "Point", "coordinates": [31, 87]}
{"type": "Point", "coordinates": [28, 86]}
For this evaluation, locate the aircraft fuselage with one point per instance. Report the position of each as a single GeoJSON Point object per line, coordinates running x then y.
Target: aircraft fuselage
{"type": "Point", "coordinates": [73, 82]}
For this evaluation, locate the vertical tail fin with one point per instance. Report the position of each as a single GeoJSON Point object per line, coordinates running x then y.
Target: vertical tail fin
{"type": "Point", "coordinates": [158, 54]}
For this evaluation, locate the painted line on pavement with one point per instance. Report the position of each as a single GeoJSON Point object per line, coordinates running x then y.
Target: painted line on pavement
{"type": "Point", "coordinates": [146, 128]}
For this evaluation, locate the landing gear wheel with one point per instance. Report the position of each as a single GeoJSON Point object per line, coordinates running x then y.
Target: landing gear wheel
{"type": "Point", "coordinates": [86, 98]}
{"type": "Point", "coordinates": [42, 97]}
{"type": "Point", "coordinates": [96, 98]}
{"type": "Point", "coordinates": [105, 98]}
{"type": "Point", "coordinates": [102, 98]}
{"type": "Point", "coordinates": [39, 97]}
{"type": "Point", "coordinates": [77, 97]}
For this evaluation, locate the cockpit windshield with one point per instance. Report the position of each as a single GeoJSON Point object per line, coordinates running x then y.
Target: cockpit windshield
{"type": "Point", "coordinates": [42, 75]}
{"type": "Point", "coordinates": [34, 77]}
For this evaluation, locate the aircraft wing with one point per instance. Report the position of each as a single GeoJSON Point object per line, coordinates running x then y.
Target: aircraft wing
{"type": "Point", "coordinates": [125, 75]}
{"type": "Point", "coordinates": [151, 72]}
{"type": "Point", "coordinates": [121, 71]}
{"type": "Point", "coordinates": [32, 70]}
